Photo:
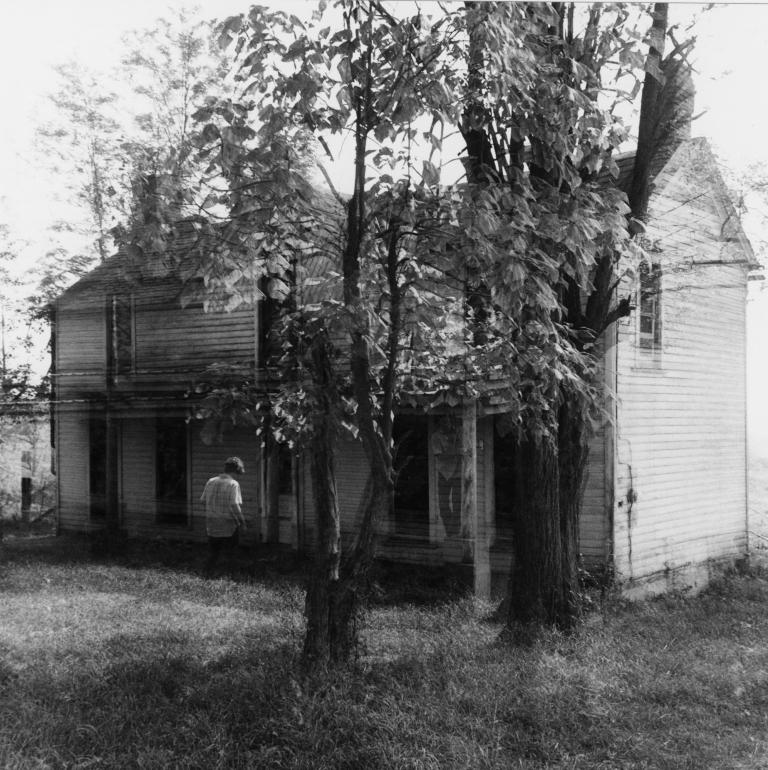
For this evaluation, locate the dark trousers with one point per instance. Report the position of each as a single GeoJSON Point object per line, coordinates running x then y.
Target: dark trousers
{"type": "Point", "coordinates": [218, 544]}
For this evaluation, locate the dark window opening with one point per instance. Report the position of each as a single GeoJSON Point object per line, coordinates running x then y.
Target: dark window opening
{"type": "Point", "coordinates": [505, 457]}
{"type": "Point", "coordinates": [171, 471]}
{"type": "Point", "coordinates": [650, 306]}
{"type": "Point", "coordinates": [119, 336]}
{"type": "Point", "coordinates": [269, 343]}
{"type": "Point", "coordinates": [97, 466]}
{"type": "Point", "coordinates": [284, 470]}
{"type": "Point", "coordinates": [411, 512]}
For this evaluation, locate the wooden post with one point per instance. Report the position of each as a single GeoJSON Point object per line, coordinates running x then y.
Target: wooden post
{"type": "Point", "coordinates": [473, 524]}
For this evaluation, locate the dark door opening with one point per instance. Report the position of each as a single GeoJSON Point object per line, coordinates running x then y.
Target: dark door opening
{"type": "Point", "coordinates": [97, 466]}
{"type": "Point", "coordinates": [411, 512]}
{"type": "Point", "coordinates": [171, 471]}
{"type": "Point", "coordinates": [505, 459]}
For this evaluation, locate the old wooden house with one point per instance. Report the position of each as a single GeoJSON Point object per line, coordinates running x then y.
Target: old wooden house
{"type": "Point", "coordinates": [666, 493]}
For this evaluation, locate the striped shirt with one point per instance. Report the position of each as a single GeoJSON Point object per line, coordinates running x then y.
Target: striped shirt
{"type": "Point", "coordinates": [222, 505]}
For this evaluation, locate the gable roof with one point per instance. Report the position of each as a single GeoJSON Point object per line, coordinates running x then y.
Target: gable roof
{"type": "Point", "coordinates": [693, 171]}
{"type": "Point", "coordinates": [120, 271]}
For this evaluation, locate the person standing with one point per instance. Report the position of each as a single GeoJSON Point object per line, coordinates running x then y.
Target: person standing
{"type": "Point", "coordinates": [223, 511]}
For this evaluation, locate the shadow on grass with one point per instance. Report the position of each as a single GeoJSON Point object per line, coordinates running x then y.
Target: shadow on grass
{"type": "Point", "coordinates": [258, 562]}
{"type": "Point", "coordinates": [645, 690]}
{"type": "Point", "coordinates": [391, 583]}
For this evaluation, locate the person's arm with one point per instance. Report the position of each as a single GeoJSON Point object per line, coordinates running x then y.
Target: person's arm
{"type": "Point", "coordinates": [236, 507]}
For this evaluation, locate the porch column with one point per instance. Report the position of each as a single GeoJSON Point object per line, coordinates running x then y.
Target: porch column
{"type": "Point", "coordinates": [472, 518]}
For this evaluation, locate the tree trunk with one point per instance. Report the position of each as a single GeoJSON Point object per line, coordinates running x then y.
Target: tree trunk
{"type": "Point", "coordinates": [544, 584]}
{"type": "Point", "coordinates": [337, 586]}
{"type": "Point", "coordinates": [322, 588]}
{"type": "Point", "coordinates": [536, 580]}
{"type": "Point", "coordinates": [324, 576]}
{"type": "Point", "coordinates": [639, 191]}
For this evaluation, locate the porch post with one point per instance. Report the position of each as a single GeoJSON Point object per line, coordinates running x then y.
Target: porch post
{"type": "Point", "coordinates": [470, 512]}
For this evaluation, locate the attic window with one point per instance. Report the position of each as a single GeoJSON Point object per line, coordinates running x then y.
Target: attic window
{"type": "Point", "coordinates": [649, 305]}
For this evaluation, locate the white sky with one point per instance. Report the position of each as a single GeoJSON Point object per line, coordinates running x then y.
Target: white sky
{"type": "Point", "coordinates": [38, 34]}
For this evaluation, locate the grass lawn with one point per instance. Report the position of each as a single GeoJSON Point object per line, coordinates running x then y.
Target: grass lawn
{"type": "Point", "coordinates": [110, 664]}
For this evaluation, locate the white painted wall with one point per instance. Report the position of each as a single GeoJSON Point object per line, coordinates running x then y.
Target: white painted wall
{"type": "Point", "coordinates": [680, 486]}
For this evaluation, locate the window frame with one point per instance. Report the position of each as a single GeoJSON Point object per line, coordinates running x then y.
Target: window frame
{"type": "Point", "coordinates": [121, 355]}
{"type": "Point", "coordinates": [649, 309]}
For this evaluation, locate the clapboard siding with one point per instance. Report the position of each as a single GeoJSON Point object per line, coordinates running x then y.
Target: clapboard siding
{"type": "Point", "coordinates": [81, 346]}
{"type": "Point", "coordinates": [73, 469]}
{"type": "Point", "coordinates": [593, 527]}
{"type": "Point", "coordinates": [172, 341]}
{"type": "Point", "coordinates": [680, 443]}
{"type": "Point", "coordinates": [171, 344]}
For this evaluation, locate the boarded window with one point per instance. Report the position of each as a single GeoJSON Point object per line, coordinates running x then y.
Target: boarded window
{"type": "Point", "coordinates": [171, 471]}
{"type": "Point", "coordinates": [411, 512]}
{"type": "Point", "coordinates": [97, 466]}
{"type": "Point", "coordinates": [119, 336]}
{"type": "Point", "coordinates": [650, 306]}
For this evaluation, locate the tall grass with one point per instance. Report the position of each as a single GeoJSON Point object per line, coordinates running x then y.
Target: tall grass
{"type": "Point", "coordinates": [109, 665]}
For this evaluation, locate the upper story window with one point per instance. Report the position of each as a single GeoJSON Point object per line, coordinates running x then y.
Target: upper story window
{"type": "Point", "coordinates": [649, 307]}
{"type": "Point", "coordinates": [120, 350]}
